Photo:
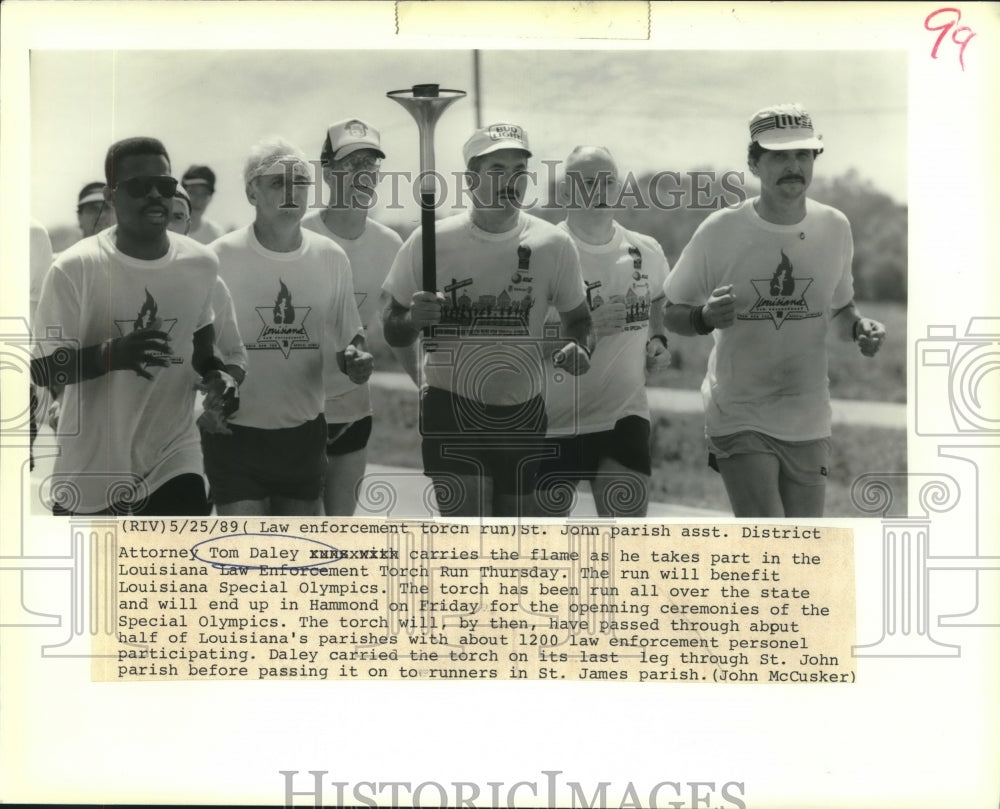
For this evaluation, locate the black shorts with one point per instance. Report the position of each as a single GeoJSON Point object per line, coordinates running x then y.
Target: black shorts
{"type": "Point", "coordinates": [253, 464]}
{"type": "Point", "coordinates": [578, 457]}
{"type": "Point", "coordinates": [464, 437]}
{"type": "Point", "coordinates": [347, 437]}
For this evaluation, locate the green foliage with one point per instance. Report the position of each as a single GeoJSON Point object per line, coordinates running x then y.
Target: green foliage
{"type": "Point", "coordinates": [685, 200]}
{"type": "Point", "coordinates": [680, 469]}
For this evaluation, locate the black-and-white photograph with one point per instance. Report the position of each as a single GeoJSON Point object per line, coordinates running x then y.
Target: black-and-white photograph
{"type": "Point", "coordinates": [559, 288]}
{"type": "Point", "coordinates": [606, 269]}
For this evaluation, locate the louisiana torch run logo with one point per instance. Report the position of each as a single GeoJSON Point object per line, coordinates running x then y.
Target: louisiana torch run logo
{"type": "Point", "coordinates": [284, 324]}
{"type": "Point", "coordinates": [148, 317]}
{"type": "Point", "coordinates": [781, 297]}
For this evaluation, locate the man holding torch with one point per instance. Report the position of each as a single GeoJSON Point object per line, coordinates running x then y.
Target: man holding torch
{"type": "Point", "coordinates": [483, 411]}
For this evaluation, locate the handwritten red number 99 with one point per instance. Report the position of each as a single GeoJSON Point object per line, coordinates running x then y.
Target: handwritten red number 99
{"type": "Point", "coordinates": [944, 27]}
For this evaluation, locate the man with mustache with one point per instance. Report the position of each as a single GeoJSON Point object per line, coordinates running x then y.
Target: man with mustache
{"type": "Point", "coordinates": [599, 424]}
{"type": "Point", "coordinates": [768, 279]}
{"type": "Point", "coordinates": [351, 157]}
{"type": "Point", "coordinates": [118, 315]}
{"type": "Point", "coordinates": [483, 414]}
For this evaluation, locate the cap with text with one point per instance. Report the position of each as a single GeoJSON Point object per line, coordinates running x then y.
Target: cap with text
{"type": "Point", "coordinates": [784, 126]}
{"type": "Point", "coordinates": [493, 138]}
{"type": "Point", "coordinates": [353, 135]}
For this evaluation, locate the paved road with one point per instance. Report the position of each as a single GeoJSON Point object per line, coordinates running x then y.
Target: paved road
{"type": "Point", "coordinates": [404, 493]}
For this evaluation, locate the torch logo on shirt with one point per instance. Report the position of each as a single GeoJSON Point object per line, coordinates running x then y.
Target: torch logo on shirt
{"type": "Point", "coordinates": [284, 325]}
{"type": "Point", "coordinates": [781, 297]}
{"type": "Point", "coordinates": [148, 318]}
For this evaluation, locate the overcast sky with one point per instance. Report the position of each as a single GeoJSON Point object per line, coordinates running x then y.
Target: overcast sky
{"type": "Point", "coordinates": [659, 110]}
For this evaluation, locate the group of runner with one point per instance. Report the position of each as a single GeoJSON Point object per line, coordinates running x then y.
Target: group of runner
{"type": "Point", "coordinates": [531, 355]}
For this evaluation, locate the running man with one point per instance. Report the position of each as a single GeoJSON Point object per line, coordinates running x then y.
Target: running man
{"type": "Point", "coordinates": [290, 288]}
{"type": "Point", "coordinates": [768, 280]}
{"type": "Point", "coordinates": [599, 423]}
{"type": "Point", "coordinates": [482, 410]}
{"type": "Point", "coordinates": [118, 314]}
{"type": "Point", "coordinates": [351, 157]}
{"type": "Point", "coordinates": [199, 182]}
{"type": "Point", "coordinates": [93, 211]}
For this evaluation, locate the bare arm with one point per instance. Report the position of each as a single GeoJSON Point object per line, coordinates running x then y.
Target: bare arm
{"type": "Point", "coordinates": [401, 324]}
{"type": "Point", "coordinates": [656, 323]}
{"type": "Point", "coordinates": [851, 325]}
{"type": "Point", "coordinates": [718, 312]}
{"type": "Point", "coordinates": [406, 356]}
{"type": "Point", "coordinates": [132, 352]}
{"type": "Point", "coordinates": [657, 353]}
{"type": "Point", "coordinates": [356, 361]}
{"type": "Point", "coordinates": [576, 325]}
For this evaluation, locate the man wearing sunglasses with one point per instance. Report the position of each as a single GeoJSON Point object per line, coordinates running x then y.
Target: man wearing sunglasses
{"type": "Point", "coordinates": [351, 158]}
{"type": "Point", "coordinates": [124, 317]}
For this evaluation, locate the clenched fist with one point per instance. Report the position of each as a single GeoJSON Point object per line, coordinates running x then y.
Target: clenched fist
{"type": "Point", "coordinates": [358, 364]}
{"type": "Point", "coordinates": [425, 309]}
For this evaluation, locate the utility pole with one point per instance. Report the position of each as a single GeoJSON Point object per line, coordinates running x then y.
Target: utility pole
{"type": "Point", "coordinates": [476, 93]}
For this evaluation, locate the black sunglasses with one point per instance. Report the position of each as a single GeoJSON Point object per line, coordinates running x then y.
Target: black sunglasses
{"type": "Point", "coordinates": [141, 186]}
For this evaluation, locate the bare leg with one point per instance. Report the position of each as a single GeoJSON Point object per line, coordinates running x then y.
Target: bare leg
{"type": "Point", "coordinates": [250, 508]}
{"type": "Point", "coordinates": [752, 484]}
{"type": "Point", "coordinates": [464, 495]}
{"type": "Point", "coordinates": [800, 500]}
{"type": "Point", "coordinates": [342, 475]}
{"type": "Point", "coordinates": [292, 507]}
{"type": "Point", "coordinates": [620, 491]}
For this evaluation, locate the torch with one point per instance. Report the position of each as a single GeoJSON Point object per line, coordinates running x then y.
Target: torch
{"type": "Point", "coordinates": [426, 102]}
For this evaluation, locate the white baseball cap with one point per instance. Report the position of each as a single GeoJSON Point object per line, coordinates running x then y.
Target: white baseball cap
{"type": "Point", "coordinates": [493, 138]}
{"type": "Point", "coordinates": [784, 126]}
{"type": "Point", "coordinates": [352, 135]}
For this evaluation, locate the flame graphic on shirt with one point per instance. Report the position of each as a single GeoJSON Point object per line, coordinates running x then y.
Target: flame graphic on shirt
{"type": "Point", "coordinates": [781, 297]}
{"type": "Point", "coordinates": [284, 312]}
{"type": "Point", "coordinates": [782, 282]}
{"type": "Point", "coordinates": [147, 313]}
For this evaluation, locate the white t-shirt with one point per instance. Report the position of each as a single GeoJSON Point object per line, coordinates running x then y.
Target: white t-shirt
{"type": "Point", "coordinates": [768, 372]}
{"type": "Point", "coordinates": [498, 288]}
{"type": "Point", "coordinates": [119, 426]}
{"type": "Point", "coordinates": [40, 258]}
{"type": "Point", "coordinates": [371, 255]}
{"type": "Point", "coordinates": [207, 232]}
{"type": "Point", "coordinates": [629, 269]}
{"type": "Point", "coordinates": [227, 336]}
{"type": "Point", "coordinates": [285, 304]}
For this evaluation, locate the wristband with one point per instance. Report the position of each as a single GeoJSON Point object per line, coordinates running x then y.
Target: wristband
{"type": "Point", "coordinates": [661, 337]}
{"type": "Point", "coordinates": [212, 363]}
{"type": "Point", "coordinates": [698, 321]}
